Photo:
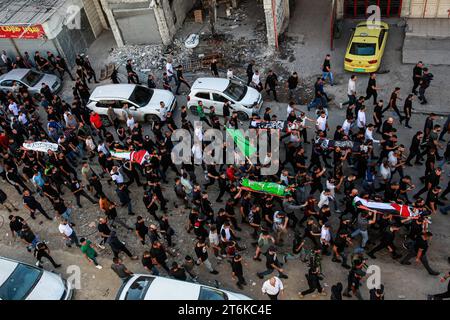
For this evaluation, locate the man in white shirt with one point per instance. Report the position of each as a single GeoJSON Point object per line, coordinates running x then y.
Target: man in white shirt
{"type": "Point", "coordinates": [325, 238]}
{"type": "Point", "coordinates": [13, 108]}
{"type": "Point", "coordinates": [325, 197]}
{"type": "Point", "coordinates": [68, 233]}
{"type": "Point", "coordinates": [197, 152]}
{"type": "Point", "coordinates": [368, 135]}
{"type": "Point", "coordinates": [116, 176]}
{"type": "Point", "coordinates": [321, 123]}
{"type": "Point", "coordinates": [362, 118]}
{"type": "Point", "coordinates": [347, 126]}
{"type": "Point", "coordinates": [351, 92]}
{"type": "Point", "coordinates": [169, 70]}
{"type": "Point", "coordinates": [273, 287]}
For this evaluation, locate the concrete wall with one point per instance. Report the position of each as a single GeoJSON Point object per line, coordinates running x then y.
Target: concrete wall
{"type": "Point", "coordinates": [96, 18]}
{"type": "Point", "coordinates": [276, 11]}
{"type": "Point", "coordinates": [167, 17]}
{"type": "Point", "coordinates": [138, 26]}
{"type": "Point", "coordinates": [426, 8]}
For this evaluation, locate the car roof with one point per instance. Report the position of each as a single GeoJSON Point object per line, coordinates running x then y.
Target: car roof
{"type": "Point", "coordinates": [15, 74]}
{"type": "Point", "coordinates": [6, 268]}
{"type": "Point", "coordinates": [110, 91]}
{"type": "Point", "coordinates": [219, 84]}
{"type": "Point", "coordinates": [373, 30]}
{"type": "Point", "coordinates": [168, 289]}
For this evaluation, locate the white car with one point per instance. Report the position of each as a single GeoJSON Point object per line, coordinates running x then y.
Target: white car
{"type": "Point", "coordinates": [216, 91]}
{"type": "Point", "coordinates": [143, 103]}
{"type": "Point", "coordinates": [149, 287]}
{"type": "Point", "coordinates": [21, 281]}
{"type": "Point", "coordinates": [30, 79]}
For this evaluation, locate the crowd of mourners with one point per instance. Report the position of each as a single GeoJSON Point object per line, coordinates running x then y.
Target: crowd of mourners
{"type": "Point", "coordinates": [319, 213]}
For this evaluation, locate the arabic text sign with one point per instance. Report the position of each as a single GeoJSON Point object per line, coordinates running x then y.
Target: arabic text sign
{"type": "Point", "coordinates": [22, 32]}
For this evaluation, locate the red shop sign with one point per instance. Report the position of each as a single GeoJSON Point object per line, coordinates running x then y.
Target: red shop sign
{"type": "Point", "coordinates": [22, 32]}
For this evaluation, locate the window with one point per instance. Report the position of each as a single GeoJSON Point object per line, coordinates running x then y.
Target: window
{"type": "Point", "coordinates": [236, 91]}
{"type": "Point", "coordinates": [32, 78]}
{"type": "Point", "coordinates": [211, 294]}
{"type": "Point", "coordinates": [380, 39]}
{"type": "Point", "coordinates": [219, 98]}
{"type": "Point", "coordinates": [7, 83]}
{"type": "Point", "coordinates": [138, 289]}
{"type": "Point", "coordinates": [107, 104]}
{"type": "Point", "coordinates": [141, 96]}
{"type": "Point", "coordinates": [203, 95]}
{"type": "Point", "coordinates": [363, 49]}
{"type": "Point", "coordinates": [20, 283]}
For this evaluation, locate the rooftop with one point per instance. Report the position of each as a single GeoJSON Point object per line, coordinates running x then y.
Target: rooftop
{"type": "Point", "coordinates": [27, 12]}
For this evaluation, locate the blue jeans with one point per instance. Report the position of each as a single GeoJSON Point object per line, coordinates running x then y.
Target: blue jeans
{"type": "Point", "coordinates": [67, 215]}
{"type": "Point", "coordinates": [364, 235]}
{"type": "Point", "coordinates": [318, 101]}
{"type": "Point", "coordinates": [325, 75]}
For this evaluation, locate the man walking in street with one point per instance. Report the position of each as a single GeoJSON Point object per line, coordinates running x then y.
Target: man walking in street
{"type": "Point", "coordinates": [326, 70]}
{"type": "Point", "coordinates": [273, 287]}
{"type": "Point", "coordinates": [271, 83]}
{"type": "Point", "coordinates": [121, 270]}
{"type": "Point", "coordinates": [419, 250]}
{"type": "Point", "coordinates": [417, 76]}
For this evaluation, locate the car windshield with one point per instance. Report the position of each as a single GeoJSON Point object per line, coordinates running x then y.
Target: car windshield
{"type": "Point", "coordinates": [20, 283]}
{"type": "Point", "coordinates": [141, 96]}
{"type": "Point", "coordinates": [32, 78]}
{"type": "Point", "coordinates": [236, 91]}
{"type": "Point", "coordinates": [362, 49]}
{"type": "Point", "coordinates": [211, 294]}
{"type": "Point", "coordinates": [138, 289]}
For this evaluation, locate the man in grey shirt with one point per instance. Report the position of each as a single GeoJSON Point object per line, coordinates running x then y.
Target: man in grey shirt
{"type": "Point", "coordinates": [363, 223]}
{"type": "Point", "coordinates": [121, 270]}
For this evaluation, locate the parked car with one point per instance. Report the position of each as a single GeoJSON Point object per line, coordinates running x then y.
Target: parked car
{"type": "Point", "coordinates": [216, 91]}
{"type": "Point", "coordinates": [149, 287]}
{"type": "Point", "coordinates": [30, 79]}
{"type": "Point", "coordinates": [366, 47]}
{"type": "Point", "coordinates": [143, 103]}
{"type": "Point", "coordinates": [21, 281]}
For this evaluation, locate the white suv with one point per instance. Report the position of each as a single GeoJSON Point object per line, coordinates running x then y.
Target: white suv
{"type": "Point", "coordinates": [143, 103]}
{"type": "Point", "coordinates": [216, 91]}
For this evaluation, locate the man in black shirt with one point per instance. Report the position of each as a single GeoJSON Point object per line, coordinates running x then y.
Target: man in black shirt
{"type": "Point", "coordinates": [292, 84]}
{"type": "Point", "coordinates": [340, 243]}
{"type": "Point", "coordinates": [431, 181]}
{"type": "Point", "coordinates": [178, 272]}
{"type": "Point", "coordinates": [272, 264]}
{"type": "Point", "coordinates": [201, 250]}
{"type": "Point", "coordinates": [424, 84]}
{"type": "Point", "coordinates": [326, 69]}
{"type": "Point", "coordinates": [237, 271]}
{"type": "Point", "coordinates": [104, 231]}
{"type": "Point", "coordinates": [271, 83]}
{"type": "Point", "coordinates": [432, 200]}
{"type": "Point", "coordinates": [159, 255]}
{"type": "Point", "coordinates": [419, 250]}
{"type": "Point", "coordinates": [148, 264]}
{"type": "Point", "coordinates": [16, 224]}
{"type": "Point", "coordinates": [42, 251]}
{"type": "Point", "coordinates": [250, 71]}
{"type": "Point", "coordinates": [141, 229]}
{"type": "Point", "coordinates": [181, 79]}
{"type": "Point", "coordinates": [132, 75]}
{"type": "Point", "coordinates": [387, 241]}
{"type": "Point", "coordinates": [417, 76]}
{"type": "Point", "coordinates": [372, 88]}
{"type": "Point", "coordinates": [30, 203]}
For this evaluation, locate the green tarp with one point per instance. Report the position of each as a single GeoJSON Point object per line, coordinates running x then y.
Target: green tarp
{"type": "Point", "coordinates": [242, 143]}
{"type": "Point", "coordinates": [265, 187]}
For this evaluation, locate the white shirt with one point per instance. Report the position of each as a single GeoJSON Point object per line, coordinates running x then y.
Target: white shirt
{"type": "Point", "coordinates": [130, 123]}
{"type": "Point", "coordinates": [199, 133]}
{"type": "Point", "coordinates": [331, 187]}
{"type": "Point", "coordinates": [197, 152]}
{"type": "Point", "coordinates": [284, 179]}
{"type": "Point", "coordinates": [346, 126]}
{"type": "Point", "coordinates": [385, 172]}
{"type": "Point", "coordinates": [255, 79]}
{"type": "Point", "coordinates": [23, 118]}
{"type": "Point", "coordinates": [169, 69]}
{"type": "Point", "coordinates": [186, 184]}
{"type": "Point", "coordinates": [289, 110]}
{"type": "Point", "coordinates": [369, 136]}
{"type": "Point", "coordinates": [325, 235]}
{"type": "Point", "coordinates": [117, 177]}
{"type": "Point", "coordinates": [267, 288]}
{"type": "Point", "coordinates": [321, 123]}
{"type": "Point", "coordinates": [102, 148]}
{"type": "Point", "coordinates": [324, 200]}
{"type": "Point", "coordinates": [14, 109]}
{"type": "Point", "coordinates": [351, 87]}
{"type": "Point", "coordinates": [65, 229]}
{"type": "Point", "coordinates": [213, 238]}
{"type": "Point", "coordinates": [229, 74]}
{"type": "Point", "coordinates": [361, 119]}
{"type": "Point", "coordinates": [393, 160]}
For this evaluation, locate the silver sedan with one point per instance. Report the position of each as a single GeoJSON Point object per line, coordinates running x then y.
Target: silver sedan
{"type": "Point", "coordinates": [30, 79]}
